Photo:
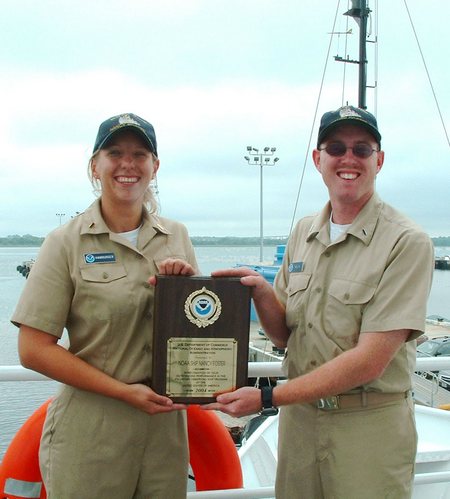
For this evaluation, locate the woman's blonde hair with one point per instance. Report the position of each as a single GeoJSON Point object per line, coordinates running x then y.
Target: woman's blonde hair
{"type": "Point", "coordinates": [150, 201]}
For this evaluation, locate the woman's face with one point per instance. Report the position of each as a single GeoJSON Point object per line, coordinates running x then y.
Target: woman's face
{"type": "Point", "coordinates": [124, 167]}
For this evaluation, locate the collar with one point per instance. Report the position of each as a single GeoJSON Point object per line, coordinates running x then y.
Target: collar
{"type": "Point", "coordinates": [363, 227]}
{"type": "Point", "coordinates": [93, 223]}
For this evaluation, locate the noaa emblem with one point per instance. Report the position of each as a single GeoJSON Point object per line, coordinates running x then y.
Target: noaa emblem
{"type": "Point", "coordinates": [202, 307]}
{"type": "Point", "coordinates": [126, 119]}
{"type": "Point", "coordinates": [348, 112]}
{"type": "Point", "coordinates": [89, 258]}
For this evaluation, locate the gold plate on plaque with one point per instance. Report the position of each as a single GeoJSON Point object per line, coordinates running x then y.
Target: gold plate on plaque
{"type": "Point", "coordinates": [201, 368]}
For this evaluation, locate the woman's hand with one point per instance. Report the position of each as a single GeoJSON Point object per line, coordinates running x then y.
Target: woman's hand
{"type": "Point", "coordinates": [144, 398]}
{"type": "Point", "coordinates": [172, 266]}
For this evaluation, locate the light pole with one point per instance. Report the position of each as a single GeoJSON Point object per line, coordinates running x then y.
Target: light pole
{"type": "Point", "coordinates": [264, 158]}
{"type": "Point", "coordinates": [60, 215]}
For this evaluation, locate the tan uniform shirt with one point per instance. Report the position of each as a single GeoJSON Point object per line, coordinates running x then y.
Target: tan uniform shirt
{"type": "Point", "coordinates": [374, 278]}
{"type": "Point", "coordinates": [94, 283]}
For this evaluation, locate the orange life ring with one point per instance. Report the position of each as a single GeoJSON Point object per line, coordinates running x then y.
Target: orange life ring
{"type": "Point", "coordinates": [19, 472]}
{"type": "Point", "coordinates": [213, 456]}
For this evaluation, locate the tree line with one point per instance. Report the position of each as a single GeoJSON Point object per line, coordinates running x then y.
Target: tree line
{"type": "Point", "coordinates": [29, 240]}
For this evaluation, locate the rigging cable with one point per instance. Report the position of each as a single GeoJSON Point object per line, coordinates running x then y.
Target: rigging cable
{"type": "Point", "coordinates": [428, 74]}
{"type": "Point", "coordinates": [314, 120]}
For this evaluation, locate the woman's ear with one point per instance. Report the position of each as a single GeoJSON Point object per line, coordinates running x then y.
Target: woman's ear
{"type": "Point", "coordinates": [94, 169]}
{"type": "Point", "coordinates": [155, 168]}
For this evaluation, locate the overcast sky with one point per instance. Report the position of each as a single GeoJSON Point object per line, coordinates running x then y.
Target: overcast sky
{"type": "Point", "coordinates": [215, 76]}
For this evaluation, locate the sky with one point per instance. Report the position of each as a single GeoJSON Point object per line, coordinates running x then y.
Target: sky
{"type": "Point", "coordinates": [214, 77]}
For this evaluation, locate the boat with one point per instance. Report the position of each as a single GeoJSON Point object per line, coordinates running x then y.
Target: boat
{"type": "Point", "coordinates": [267, 270]}
{"type": "Point", "coordinates": [442, 262]}
{"type": "Point", "coordinates": [25, 267]}
{"type": "Point", "coordinates": [258, 455]}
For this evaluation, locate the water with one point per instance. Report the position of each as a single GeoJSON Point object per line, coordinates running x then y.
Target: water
{"type": "Point", "coordinates": [25, 397]}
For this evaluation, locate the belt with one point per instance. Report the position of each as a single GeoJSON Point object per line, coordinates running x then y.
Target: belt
{"type": "Point", "coordinates": [358, 400]}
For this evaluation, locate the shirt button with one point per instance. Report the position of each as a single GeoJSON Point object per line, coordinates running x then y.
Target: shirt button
{"type": "Point", "coordinates": [346, 296]}
{"type": "Point", "coordinates": [147, 348]}
{"type": "Point", "coordinates": [146, 284]}
{"type": "Point", "coordinates": [310, 325]}
{"type": "Point", "coordinates": [149, 315]}
{"type": "Point", "coordinates": [313, 363]}
{"type": "Point", "coordinates": [318, 290]}
{"type": "Point", "coordinates": [327, 254]}
{"type": "Point", "coordinates": [105, 275]}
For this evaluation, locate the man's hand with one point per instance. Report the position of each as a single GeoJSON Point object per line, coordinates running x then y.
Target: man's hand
{"type": "Point", "coordinates": [241, 402]}
{"type": "Point", "coordinates": [248, 277]}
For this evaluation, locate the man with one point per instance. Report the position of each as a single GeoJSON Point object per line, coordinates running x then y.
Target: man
{"type": "Point", "coordinates": [348, 302]}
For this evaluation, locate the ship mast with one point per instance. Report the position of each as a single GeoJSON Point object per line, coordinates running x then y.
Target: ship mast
{"type": "Point", "coordinates": [360, 13]}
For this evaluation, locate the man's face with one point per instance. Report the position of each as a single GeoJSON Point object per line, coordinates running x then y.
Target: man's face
{"type": "Point", "coordinates": [350, 179]}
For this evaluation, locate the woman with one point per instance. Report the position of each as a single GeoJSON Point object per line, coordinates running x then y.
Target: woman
{"type": "Point", "coordinates": [107, 433]}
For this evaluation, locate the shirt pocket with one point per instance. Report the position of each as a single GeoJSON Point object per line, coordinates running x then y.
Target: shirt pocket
{"type": "Point", "coordinates": [106, 290]}
{"type": "Point", "coordinates": [345, 307]}
{"type": "Point", "coordinates": [103, 273]}
{"type": "Point", "coordinates": [296, 289]}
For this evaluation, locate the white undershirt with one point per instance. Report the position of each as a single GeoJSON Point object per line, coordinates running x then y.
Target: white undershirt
{"type": "Point", "coordinates": [131, 235]}
{"type": "Point", "coordinates": [337, 229]}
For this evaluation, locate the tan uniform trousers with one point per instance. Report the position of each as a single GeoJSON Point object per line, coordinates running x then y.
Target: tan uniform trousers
{"type": "Point", "coordinates": [364, 453]}
{"type": "Point", "coordinates": [95, 447]}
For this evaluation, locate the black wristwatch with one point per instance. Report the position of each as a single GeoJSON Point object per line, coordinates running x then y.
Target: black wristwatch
{"type": "Point", "coordinates": [268, 408]}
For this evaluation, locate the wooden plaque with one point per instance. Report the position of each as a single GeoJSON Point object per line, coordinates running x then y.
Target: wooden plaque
{"type": "Point", "coordinates": [200, 337]}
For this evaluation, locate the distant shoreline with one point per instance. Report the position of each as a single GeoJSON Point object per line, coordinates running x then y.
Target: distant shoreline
{"type": "Point", "coordinates": [34, 241]}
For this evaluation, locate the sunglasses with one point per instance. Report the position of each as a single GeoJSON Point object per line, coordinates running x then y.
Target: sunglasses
{"type": "Point", "coordinates": [339, 149]}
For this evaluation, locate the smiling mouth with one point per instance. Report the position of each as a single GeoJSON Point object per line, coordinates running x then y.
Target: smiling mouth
{"type": "Point", "coordinates": [348, 176]}
{"type": "Point", "coordinates": [127, 180]}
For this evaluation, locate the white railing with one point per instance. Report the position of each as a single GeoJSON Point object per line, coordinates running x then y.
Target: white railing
{"type": "Point", "coordinates": [19, 373]}
{"type": "Point", "coordinates": [255, 369]}
{"type": "Point", "coordinates": [256, 493]}
{"type": "Point", "coordinates": [269, 492]}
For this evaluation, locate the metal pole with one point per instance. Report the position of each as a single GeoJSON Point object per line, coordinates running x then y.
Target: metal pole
{"type": "Point", "coordinates": [60, 215]}
{"type": "Point", "coordinates": [362, 55]}
{"type": "Point", "coordinates": [261, 231]}
{"type": "Point", "coordinates": [264, 159]}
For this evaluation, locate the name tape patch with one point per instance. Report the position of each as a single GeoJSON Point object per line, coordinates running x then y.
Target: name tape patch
{"type": "Point", "coordinates": [99, 257]}
{"type": "Point", "coordinates": [295, 267]}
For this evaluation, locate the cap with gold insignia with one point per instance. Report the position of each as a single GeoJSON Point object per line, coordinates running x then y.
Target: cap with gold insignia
{"type": "Point", "coordinates": [112, 125]}
{"type": "Point", "coordinates": [348, 115]}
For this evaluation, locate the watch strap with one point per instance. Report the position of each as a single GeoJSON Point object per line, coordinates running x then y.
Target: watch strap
{"type": "Point", "coordinates": [266, 397]}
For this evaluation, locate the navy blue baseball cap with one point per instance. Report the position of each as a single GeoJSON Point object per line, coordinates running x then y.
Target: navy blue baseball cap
{"type": "Point", "coordinates": [348, 115]}
{"type": "Point", "coordinates": [112, 125]}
